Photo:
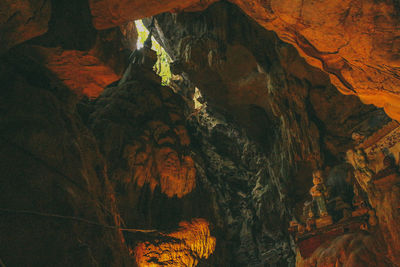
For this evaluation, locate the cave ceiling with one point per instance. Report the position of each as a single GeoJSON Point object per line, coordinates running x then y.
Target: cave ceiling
{"type": "Point", "coordinates": [275, 142]}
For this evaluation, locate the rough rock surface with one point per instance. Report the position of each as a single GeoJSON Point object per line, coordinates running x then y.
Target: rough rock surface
{"type": "Point", "coordinates": [21, 20]}
{"type": "Point", "coordinates": [82, 72]}
{"type": "Point", "coordinates": [182, 248]}
{"type": "Point", "coordinates": [242, 162]}
{"type": "Point", "coordinates": [356, 250]}
{"type": "Point", "coordinates": [85, 59]}
{"type": "Point", "coordinates": [57, 204]}
{"type": "Point", "coordinates": [141, 129]}
{"type": "Point", "coordinates": [355, 42]}
{"type": "Point", "coordinates": [383, 193]}
{"type": "Point", "coordinates": [285, 108]}
{"type": "Point", "coordinates": [110, 13]}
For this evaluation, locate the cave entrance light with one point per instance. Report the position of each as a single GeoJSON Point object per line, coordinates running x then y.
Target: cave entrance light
{"type": "Point", "coordinates": [163, 59]}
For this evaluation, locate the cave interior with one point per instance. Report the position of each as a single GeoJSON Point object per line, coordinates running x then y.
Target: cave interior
{"type": "Point", "coordinates": [200, 133]}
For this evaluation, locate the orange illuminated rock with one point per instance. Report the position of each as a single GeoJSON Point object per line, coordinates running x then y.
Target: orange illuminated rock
{"type": "Point", "coordinates": [160, 165]}
{"type": "Point", "coordinates": [182, 248]}
{"type": "Point", "coordinates": [21, 20]}
{"type": "Point", "coordinates": [133, 120]}
{"type": "Point", "coordinates": [82, 72]}
{"type": "Point", "coordinates": [356, 42]}
{"type": "Point", "coordinates": [358, 249]}
{"type": "Point", "coordinates": [109, 13]}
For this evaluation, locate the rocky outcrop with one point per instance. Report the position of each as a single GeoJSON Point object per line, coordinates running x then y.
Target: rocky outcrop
{"type": "Point", "coordinates": [276, 98]}
{"type": "Point", "coordinates": [82, 72]}
{"type": "Point", "coordinates": [57, 205]}
{"type": "Point", "coordinates": [183, 248]}
{"type": "Point", "coordinates": [22, 20]}
{"type": "Point", "coordinates": [356, 43]}
{"type": "Point", "coordinates": [85, 59]}
{"type": "Point", "coordinates": [110, 13]}
{"type": "Point", "coordinates": [141, 128]}
{"type": "Point", "coordinates": [375, 161]}
{"type": "Point", "coordinates": [210, 184]}
{"type": "Point", "coordinates": [359, 249]}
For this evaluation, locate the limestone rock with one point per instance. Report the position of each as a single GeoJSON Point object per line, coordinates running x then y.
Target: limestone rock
{"type": "Point", "coordinates": [356, 43]}
{"type": "Point", "coordinates": [57, 204]}
{"type": "Point", "coordinates": [357, 249]}
{"type": "Point", "coordinates": [21, 20]}
{"type": "Point", "coordinates": [82, 72]}
{"type": "Point", "coordinates": [141, 127]}
{"type": "Point", "coordinates": [110, 13]}
{"type": "Point", "coordinates": [182, 248]}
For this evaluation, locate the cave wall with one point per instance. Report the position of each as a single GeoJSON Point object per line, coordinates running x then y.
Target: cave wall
{"type": "Point", "coordinates": [287, 108]}
{"type": "Point", "coordinates": [57, 203]}
{"type": "Point", "coordinates": [355, 42]}
{"type": "Point", "coordinates": [216, 186]}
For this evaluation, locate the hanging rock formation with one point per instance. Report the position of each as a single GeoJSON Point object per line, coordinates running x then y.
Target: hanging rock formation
{"type": "Point", "coordinates": [101, 168]}
{"type": "Point", "coordinates": [183, 248]}
{"type": "Point", "coordinates": [141, 127]}
{"type": "Point", "coordinates": [355, 42]}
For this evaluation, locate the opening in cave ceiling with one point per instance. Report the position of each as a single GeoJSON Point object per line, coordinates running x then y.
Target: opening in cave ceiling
{"type": "Point", "coordinates": [161, 67]}
{"type": "Point", "coordinates": [229, 145]}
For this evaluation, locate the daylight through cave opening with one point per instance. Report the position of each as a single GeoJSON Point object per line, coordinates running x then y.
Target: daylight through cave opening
{"type": "Point", "coordinates": [233, 138]}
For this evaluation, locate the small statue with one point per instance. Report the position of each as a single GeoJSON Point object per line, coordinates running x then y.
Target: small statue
{"type": "Point", "coordinates": [319, 193]}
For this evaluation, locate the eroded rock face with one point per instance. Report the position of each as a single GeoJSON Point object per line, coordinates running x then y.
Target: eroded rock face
{"type": "Point", "coordinates": [182, 248]}
{"type": "Point", "coordinates": [142, 130]}
{"type": "Point", "coordinates": [243, 163]}
{"type": "Point", "coordinates": [275, 98]}
{"type": "Point", "coordinates": [358, 249]}
{"type": "Point", "coordinates": [110, 13]}
{"type": "Point", "coordinates": [356, 43]}
{"type": "Point", "coordinates": [82, 72]}
{"type": "Point", "coordinates": [22, 20]}
{"type": "Point", "coordinates": [379, 178]}
{"type": "Point", "coordinates": [85, 59]}
{"type": "Point", "coordinates": [57, 204]}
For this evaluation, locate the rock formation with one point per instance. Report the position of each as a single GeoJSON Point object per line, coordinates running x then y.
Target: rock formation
{"type": "Point", "coordinates": [185, 247]}
{"type": "Point", "coordinates": [355, 42]}
{"type": "Point", "coordinates": [103, 166]}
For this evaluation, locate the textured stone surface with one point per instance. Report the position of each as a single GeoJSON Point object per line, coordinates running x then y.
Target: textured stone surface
{"type": "Point", "coordinates": [143, 135]}
{"type": "Point", "coordinates": [57, 206]}
{"type": "Point", "coordinates": [292, 119]}
{"type": "Point", "coordinates": [110, 13]}
{"type": "Point", "coordinates": [242, 162]}
{"type": "Point", "coordinates": [384, 197]}
{"type": "Point", "coordinates": [358, 249]}
{"type": "Point", "coordinates": [21, 20]}
{"type": "Point", "coordinates": [85, 59]}
{"type": "Point", "coordinates": [355, 42]}
{"type": "Point", "coordinates": [82, 72]}
{"type": "Point", "coordinates": [182, 248]}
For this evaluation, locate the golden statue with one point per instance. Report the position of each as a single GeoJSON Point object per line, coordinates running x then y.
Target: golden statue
{"type": "Point", "coordinates": [319, 193]}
